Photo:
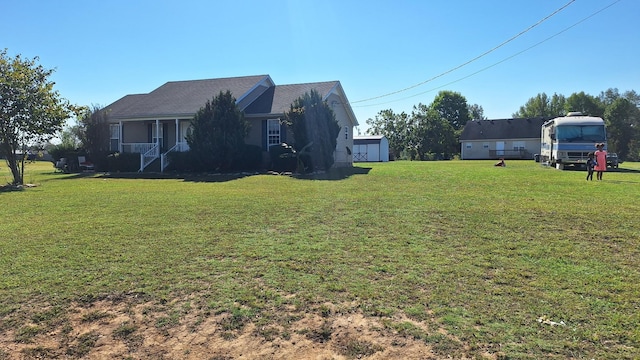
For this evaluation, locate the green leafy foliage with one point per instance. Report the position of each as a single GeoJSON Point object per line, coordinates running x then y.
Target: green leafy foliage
{"type": "Point", "coordinates": [93, 132]}
{"type": "Point", "coordinates": [433, 134]}
{"type": "Point", "coordinates": [283, 157]}
{"type": "Point", "coordinates": [429, 132]}
{"type": "Point", "coordinates": [453, 107]}
{"type": "Point", "coordinates": [543, 106]}
{"type": "Point", "coordinates": [30, 110]}
{"type": "Point", "coordinates": [314, 124]}
{"type": "Point", "coordinates": [217, 133]}
{"type": "Point", "coordinates": [123, 162]}
{"type": "Point", "coordinates": [249, 158]}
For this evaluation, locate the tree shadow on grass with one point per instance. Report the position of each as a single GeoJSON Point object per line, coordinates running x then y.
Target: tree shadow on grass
{"type": "Point", "coordinates": [622, 170]}
{"type": "Point", "coordinates": [333, 174]}
{"type": "Point", "coordinates": [192, 177]}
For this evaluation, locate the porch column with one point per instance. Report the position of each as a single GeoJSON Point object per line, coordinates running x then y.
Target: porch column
{"type": "Point", "coordinates": [178, 133]}
{"type": "Point", "coordinates": [157, 137]}
{"type": "Point", "coordinates": [120, 137]}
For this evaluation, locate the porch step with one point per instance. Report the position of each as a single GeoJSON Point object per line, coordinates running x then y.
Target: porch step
{"type": "Point", "coordinates": [154, 167]}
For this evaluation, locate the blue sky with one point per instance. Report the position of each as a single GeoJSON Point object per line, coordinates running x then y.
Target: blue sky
{"type": "Point", "coordinates": [103, 50]}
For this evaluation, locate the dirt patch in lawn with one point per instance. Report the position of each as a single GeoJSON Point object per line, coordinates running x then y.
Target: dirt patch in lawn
{"type": "Point", "coordinates": [133, 329]}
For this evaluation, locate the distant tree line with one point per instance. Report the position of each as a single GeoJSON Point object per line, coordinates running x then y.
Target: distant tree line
{"type": "Point", "coordinates": [433, 131]}
{"type": "Point", "coordinates": [429, 132]}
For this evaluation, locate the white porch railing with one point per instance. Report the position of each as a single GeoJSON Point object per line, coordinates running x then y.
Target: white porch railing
{"type": "Point", "coordinates": [164, 158]}
{"type": "Point", "coordinates": [148, 157]}
{"type": "Point", "coordinates": [140, 148]}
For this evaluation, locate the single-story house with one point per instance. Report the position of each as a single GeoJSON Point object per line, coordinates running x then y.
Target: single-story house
{"type": "Point", "coordinates": [156, 123]}
{"type": "Point", "coordinates": [505, 138]}
{"type": "Point", "coordinates": [370, 148]}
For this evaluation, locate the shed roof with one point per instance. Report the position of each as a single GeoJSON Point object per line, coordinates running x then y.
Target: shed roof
{"type": "Point", "coordinates": [368, 137]}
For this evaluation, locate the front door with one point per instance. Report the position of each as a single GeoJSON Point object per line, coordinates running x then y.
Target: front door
{"type": "Point", "coordinates": [500, 148]}
{"type": "Point", "coordinates": [162, 138]}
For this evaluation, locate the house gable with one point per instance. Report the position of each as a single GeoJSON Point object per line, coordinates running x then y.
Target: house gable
{"type": "Point", "coordinates": [278, 99]}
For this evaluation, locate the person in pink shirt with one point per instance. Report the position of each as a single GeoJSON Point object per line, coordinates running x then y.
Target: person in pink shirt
{"type": "Point", "coordinates": [601, 160]}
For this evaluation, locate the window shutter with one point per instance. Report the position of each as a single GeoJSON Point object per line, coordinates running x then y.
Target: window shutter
{"type": "Point", "coordinates": [264, 135]}
{"type": "Point", "coordinates": [283, 133]}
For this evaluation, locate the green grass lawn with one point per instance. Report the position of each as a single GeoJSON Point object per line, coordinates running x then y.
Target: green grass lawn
{"type": "Point", "coordinates": [479, 251]}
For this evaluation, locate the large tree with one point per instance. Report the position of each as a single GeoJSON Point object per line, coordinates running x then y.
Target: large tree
{"type": "Point", "coordinates": [217, 133]}
{"type": "Point", "coordinates": [476, 112]}
{"type": "Point", "coordinates": [623, 122]}
{"type": "Point", "coordinates": [453, 107]}
{"type": "Point", "coordinates": [434, 133]}
{"type": "Point", "coordinates": [623, 118]}
{"type": "Point", "coordinates": [395, 127]}
{"type": "Point", "coordinates": [314, 128]}
{"type": "Point", "coordinates": [31, 110]}
{"type": "Point", "coordinates": [584, 103]}
{"type": "Point", "coordinates": [93, 132]}
{"type": "Point", "coordinates": [542, 106]}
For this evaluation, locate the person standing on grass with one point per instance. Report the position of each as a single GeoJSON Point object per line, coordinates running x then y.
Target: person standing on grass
{"type": "Point", "coordinates": [601, 160]}
{"type": "Point", "coordinates": [591, 164]}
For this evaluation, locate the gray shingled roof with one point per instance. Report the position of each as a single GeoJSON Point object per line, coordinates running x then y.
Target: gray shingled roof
{"type": "Point", "coordinates": [180, 98]}
{"type": "Point", "coordinates": [503, 129]}
{"type": "Point", "coordinates": [278, 99]}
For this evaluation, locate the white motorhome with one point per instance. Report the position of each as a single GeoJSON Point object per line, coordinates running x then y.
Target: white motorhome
{"type": "Point", "coordinates": [569, 139]}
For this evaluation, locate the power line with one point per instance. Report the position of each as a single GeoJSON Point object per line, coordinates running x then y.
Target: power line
{"type": "Point", "coordinates": [472, 60]}
{"type": "Point", "coordinates": [492, 65]}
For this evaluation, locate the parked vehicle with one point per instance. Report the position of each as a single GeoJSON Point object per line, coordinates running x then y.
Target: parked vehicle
{"type": "Point", "coordinates": [612, 160]}
{"type": "Point", "coordinates": [568, 140]}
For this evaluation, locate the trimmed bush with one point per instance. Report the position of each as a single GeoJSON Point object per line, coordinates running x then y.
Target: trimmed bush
{"type": "Point", "coordinates": [249, 158]}
{"type": "Point", "coordinates": [123, 162]}
{"type": "Point", "coordinates": [184, 162]}
{"type": "Point", "coordinates": [283, 158]}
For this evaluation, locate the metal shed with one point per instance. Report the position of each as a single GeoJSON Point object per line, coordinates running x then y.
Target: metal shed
{"type": "Point", "coordinates": [373, 148]}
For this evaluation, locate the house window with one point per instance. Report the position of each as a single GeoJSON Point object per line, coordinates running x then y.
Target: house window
{"type": "Point", "coordinates": [273, 132]}
{"type": "Point", "coordinates": [114, 140]}
{"type": "Point", "coordinates": [518, 145]}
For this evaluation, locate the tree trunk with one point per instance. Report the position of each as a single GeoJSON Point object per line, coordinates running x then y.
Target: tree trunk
{"type": "Point", "coordinates": [15, 169]}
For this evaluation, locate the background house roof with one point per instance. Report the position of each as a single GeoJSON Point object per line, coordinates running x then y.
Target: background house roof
{"type": "Point", "coordinates": [180, 98]}
{"type": "Point", "coordinates": [503, 129]}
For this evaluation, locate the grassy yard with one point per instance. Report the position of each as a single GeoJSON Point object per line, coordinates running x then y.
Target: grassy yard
{"type": "Point", "coordinates": [482, 261]}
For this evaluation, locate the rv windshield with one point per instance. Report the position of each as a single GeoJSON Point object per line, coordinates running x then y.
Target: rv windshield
{"type": "Point", "coordinates": [570, 133]}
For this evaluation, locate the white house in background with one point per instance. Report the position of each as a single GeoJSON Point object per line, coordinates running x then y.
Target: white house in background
{"type": "Point", "coordinates": [372, 148]}
{"type": "Point", "coordinates": [505, 138]}
{"type": "Point", "coordinates": [156, 123]}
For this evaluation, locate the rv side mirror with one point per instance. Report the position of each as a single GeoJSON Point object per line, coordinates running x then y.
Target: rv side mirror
{"type": "Point", "coordinates": [553, 136]}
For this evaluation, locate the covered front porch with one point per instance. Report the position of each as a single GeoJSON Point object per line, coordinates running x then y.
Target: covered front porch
{"type": "Point", "coordinates": [152, 139]}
